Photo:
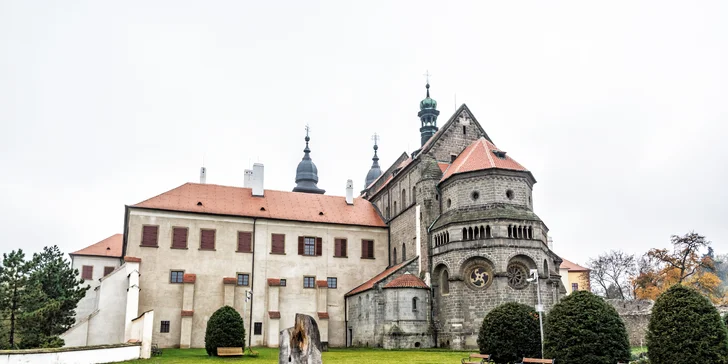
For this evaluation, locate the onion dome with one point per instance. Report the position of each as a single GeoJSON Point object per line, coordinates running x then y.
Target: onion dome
{"type": "Point", "coordinates": [307, 173]}
{"type": "Point", "coordinates": [375, 171]}
{"type": "Point", "coordinates": [427, 102]}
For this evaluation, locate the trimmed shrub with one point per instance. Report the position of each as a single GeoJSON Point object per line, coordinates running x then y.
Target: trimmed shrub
{"type": "Point", "coordinates": [725, 319]}
{"type": "Point", "coordinates": [583, 328]}
{"type": "Point", "coordinates": [224, 329]}
{"type": "Point", "coordinates": [685, 328]}
{"type": "Point", "coordinates": [509, 332]}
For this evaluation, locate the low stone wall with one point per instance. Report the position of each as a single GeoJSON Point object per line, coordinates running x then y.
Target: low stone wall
{"type": "Point", "coordinates": [79, 355]}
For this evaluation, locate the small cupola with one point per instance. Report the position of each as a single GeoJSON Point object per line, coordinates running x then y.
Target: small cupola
{"type": "Point", "coordinates": [306, 172]}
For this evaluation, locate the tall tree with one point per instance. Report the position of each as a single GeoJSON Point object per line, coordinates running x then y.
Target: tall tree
{"type": "Point", "coordinates": [13, 283]}
{"type": "Point", "coordinates": [610, 273]}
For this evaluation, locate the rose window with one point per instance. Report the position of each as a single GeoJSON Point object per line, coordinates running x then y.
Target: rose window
{"type": "Point", "coordinates": [479, 277]}
{"type": "Point", "coordinates": [517, 275]}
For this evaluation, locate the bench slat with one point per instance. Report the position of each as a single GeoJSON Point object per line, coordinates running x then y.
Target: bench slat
{"type": "Point", "coordinates": [537, 361]}
{"type": "Point", "coordinates": [229, 351]}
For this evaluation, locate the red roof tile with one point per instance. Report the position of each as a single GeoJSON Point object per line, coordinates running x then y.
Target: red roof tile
{"type": "Point", "coordinates": [239, 201]}
{"type": "Point", "coordinates": [407, 280]}
{"type": "Point", "coordinates": [274, 314]}
{"type": "Point", "coordinates": [379, 277]}
{"type": "Point", "coordinates": [322, 284]}
{"type": "Point", "coordinates": [274, 282]}
{"type": "Point", "coordinates": [323, 315]}
{"type": "Point", "coordinates": [443, 166]}
{"type": "Point", "coordinates": [189, 278]}
{"type": "Point", "coordinates": [229, 280]}
{"type": "Point", "coordinates": [132, 259]}
{"type": "Point", "coordinates": [187, 313]}
{"type": "Point", "coordinates": [109, 247]}
{"type": "Point", "coordinates": [572, 267]}
{"type": "Point", "coordinates": [479, 156]}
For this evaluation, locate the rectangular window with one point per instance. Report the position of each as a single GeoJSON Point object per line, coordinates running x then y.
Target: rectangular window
{"type": "Point", "coordinates": [108, 270]}
{"type": "Point", "coordinates": [575, 286]}
{"type": "Point", "coordinates": [340, 248]}
{"type": "Point", "coordinates": [207, 239]}
{"type": "Point", "coordinates": [243, 279]}
{"type": "Point", "coordinates": [258, 328]}
{"type": "Point", "coordinates": [150, 233]}
{"type": "Point", "coordinates": [164, 327]}
{"type": "Point", "coordinates": [245, 241]}
{"type": "Point", "coordinates": [278, 244]}
{"type": "Point", "coordinates": [309, 246]}
{"type": "Point", "coordinates": [367, 249]}
{"type": "Point", "coordinates": [309, 282]}
{"type": "Point", "coordinates": [87, 272]}
{"type": "Point", "coordinates": [283, 282]}
{"type": "Point", "coordinates": [331, 282]}
{"type": "Point", "coordinates": [176, 276]}
{"type": "Point", "coordinates": [179, 238]}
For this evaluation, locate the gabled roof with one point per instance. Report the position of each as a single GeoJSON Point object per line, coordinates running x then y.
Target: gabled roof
{"type": "Point", "coordinates": [109, 247]}
{"type": "Point", "coordinates": [572, 267]}
{"type": "Point", "coordinates": [463, 108]}
{"type": "Point", "coordinates": [280, 205]}
{"type": "Point", "coordinates": [407, 280]}
{"type": "Point", "coordinates": [480, 155]}
{"type": "Point", "coordinates": [378, 278]}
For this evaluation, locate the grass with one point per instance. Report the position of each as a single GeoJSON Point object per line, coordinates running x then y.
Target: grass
{"type": "Point", "coordinates": [339, 356]}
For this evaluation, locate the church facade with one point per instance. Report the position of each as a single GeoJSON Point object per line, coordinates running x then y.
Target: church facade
{"type": "Point", "coordinates": [428, 248]}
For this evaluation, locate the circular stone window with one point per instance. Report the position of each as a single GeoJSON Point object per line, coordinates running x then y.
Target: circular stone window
{"type": "Point", "coordinates": [475, 195]}
{"type": "Point", "coordinates": [479, 277]}
{"type": "Point", "coordinates": [449, 202]}
{"type": "Point", "coordinates": [509, 194]}
{"type": "Point", "coordinates": [517, 275]}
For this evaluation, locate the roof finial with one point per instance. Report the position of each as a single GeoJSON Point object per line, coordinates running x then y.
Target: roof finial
{"type": "Point", "coordinates": [427, 85]}
{"type": "Point", "coordinates": [375, 138]}
{"type": "Point", "coordinates": [306, 150]}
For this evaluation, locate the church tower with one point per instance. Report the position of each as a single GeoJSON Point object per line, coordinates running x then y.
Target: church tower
{"type": "Point", "coordinates": [307, 173]}
{"type": "Point", "coordinates": [375, 171]}
{"type": "Point", "coordinates": [428, 116]}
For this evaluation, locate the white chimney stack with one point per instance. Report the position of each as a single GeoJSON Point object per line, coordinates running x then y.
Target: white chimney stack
{"type": "Point", "coordinates": [203, 175]}
{"type": "Point", "coordinates": [248, 179]}
{"type": "Point", "coordinates": [349, 192]}
{"type": "Point", "coordinates": [258, 179]}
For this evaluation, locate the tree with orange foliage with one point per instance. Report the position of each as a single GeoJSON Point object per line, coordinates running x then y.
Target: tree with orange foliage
{"type": "Point", "coordinates": [660, 269]}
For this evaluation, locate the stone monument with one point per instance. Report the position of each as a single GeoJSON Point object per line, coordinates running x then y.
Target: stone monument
{"type": "Point", "coordinates": [300, 344]}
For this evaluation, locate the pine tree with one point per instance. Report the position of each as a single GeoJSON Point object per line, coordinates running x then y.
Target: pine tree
{"type": "Point", "coordinates": [14, 280]}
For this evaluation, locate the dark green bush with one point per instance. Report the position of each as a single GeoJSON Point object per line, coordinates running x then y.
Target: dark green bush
{"type": "Point", "coordinates": [583, 328]}
{"type": "Point", "coordinates": [725, 319]}
{"type": "Point", "coordinates": [224, 329]}
{"type": "Point", "coordinates": [685, 328]}
{"type": "Point", "coordinates": [509, 332]}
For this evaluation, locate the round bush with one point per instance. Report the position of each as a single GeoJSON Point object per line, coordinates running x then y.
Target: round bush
{"type": "Point", "coordinates": [685, 328]}
{"type": "Point", "coordinates": [510, 332]}
{"type": "Point", "coordinates": [224, 329]}
{"type": "Point", "coordinates": [583, 328]}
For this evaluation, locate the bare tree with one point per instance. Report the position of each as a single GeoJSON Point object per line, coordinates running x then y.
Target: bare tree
{"type": "Point", "coordinates": [685, 255]}
{"type": "Point", "coordinates": [610, 273]}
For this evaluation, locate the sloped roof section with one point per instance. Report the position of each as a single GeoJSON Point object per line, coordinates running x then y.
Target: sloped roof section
{"type": "Point", "coordinates": [379, 277]}
{"type": "Point", "coordinates": [572, 267]}
{"type": "Point", "coordinates": [109, 247]}
{"type": "Point", "coordinates": [407, 280]}
{"type": "Point", "coordinates": [461, 111]}
{"type": "Point", "coordinates": [479, 155]}
{"type": "Point", "coordinates": [281, 205]}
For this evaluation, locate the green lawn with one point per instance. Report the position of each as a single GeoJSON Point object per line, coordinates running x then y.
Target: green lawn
{"type": "Point", "coordinates": [342, 356]}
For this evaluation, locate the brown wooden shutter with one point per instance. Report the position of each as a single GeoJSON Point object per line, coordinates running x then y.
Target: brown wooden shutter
{"type": "Point", "coordinates": [363, 248]}
{"type": "Point", "coordinates": [300, 245]}
{"type": "Point", "coordinates": [108, 270]}
{"type": "Point", "coordinates": [207, 239]}
{"type": "Point", "coordinates": [245, 241]}
{"type": "Point", "coordinates": [149, 235]}
{"type": "Point", "coordinates": [319, 245]}
{"type": "Point", "coordinates": [278, 243]}
{"type": "Point", "coordinates": [337, 247]}
{"type": "Point", "coordinates": [179, 237]}
{"type": "Point", "coordinates": [343, 247]}
{"type": "Point", "coordinates": [371, 248]}
{"type": "Point", "coordinates": [87, 272]}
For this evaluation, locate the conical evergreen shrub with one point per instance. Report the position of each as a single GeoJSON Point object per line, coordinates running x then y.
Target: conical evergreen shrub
{"type": "Point", "coordinates": [224, 329]}
{"type": "Point", "coordinates": [509, 332]}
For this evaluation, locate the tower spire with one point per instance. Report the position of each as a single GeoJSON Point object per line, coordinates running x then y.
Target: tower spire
{"type": "Point", "coordinates": [428, 114]}
{"type": "Point", "coordinates": [375, 171]}
{"type": "Point", "coordinates": [306, 172]}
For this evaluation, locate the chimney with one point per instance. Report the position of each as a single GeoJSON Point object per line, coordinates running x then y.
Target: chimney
{"type": "Point", "coordinates": [203, 175]}
{"type": "Point", "coordinates": [349, 192]}
{"type": "Point", "coordinates": [248, 179]}
{"type": "Point", "coordinates": [258, 179]}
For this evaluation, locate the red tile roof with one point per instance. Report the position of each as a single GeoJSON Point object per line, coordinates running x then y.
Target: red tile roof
{"type": "Point", "coordinates": [572, 267]}
{"type": "Point", "coordinates": [189, 278]}
{"type": "Point", "coordinates": [323, 315]}
{"type": "Point", "coordinates": [109, 247]}
{"type": "Point", "coordinates": [443, 166]}
{"type": "Point", "coordinates": [188, 313]}
{"type": "Point", "coordinates": [274, 314]}
{"type": "Point", "coordinates": [379, 277]}
{"type": "Point", "coordinates": [132, 259]}
{"type": "Point", "coordinates": [479, 156]}
{"type": "Point", "coordinates": [407, 280]}
{"type": "Point", "coordinates": [229, 280]}
{"type": "Point", "coordinates": [239, 201]}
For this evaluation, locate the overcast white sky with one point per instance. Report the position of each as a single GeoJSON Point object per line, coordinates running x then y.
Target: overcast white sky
{"type": "Point", "coordinates": [618, 108]}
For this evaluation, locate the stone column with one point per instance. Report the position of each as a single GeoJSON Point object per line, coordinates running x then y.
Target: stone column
{"type": "Point", "coordinates": [274, 314]}
{"type": "Point", "coordinates": [228, 298]}
{"type": "Point", "coordinates": [323, 310]}
{"type": "Point", "coordinates": [188, 310]}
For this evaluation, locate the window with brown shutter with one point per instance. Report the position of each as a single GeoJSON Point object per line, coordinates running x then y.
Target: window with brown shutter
{"type": "Point", "coordinates": [179, 238]}
{"type": "Point", "coordinates": [309, 246]}
{"type": "Point", "coordinates": [278, 244]}
{"type": "Point", "coordinates": [319, 245]}
{"type": "Point", "coordinates": [207, 239]}
{"type": "Point", "coordinates": [87, 272]}
{"type": "Point", "coordinates": [150, 233]}
{"type": "Point", "coordinates": [367, 249]}
{"type": "Point", "coordinates": [108, 270]}
{"type": "Point", "coordinates": [245, 241]}
{"type": "Point", "coordinates": [340, 248]}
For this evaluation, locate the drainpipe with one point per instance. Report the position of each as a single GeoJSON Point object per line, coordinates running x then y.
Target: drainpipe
{"type": "Point", "coordinates": [252, 282]}
{"type": "Point", "coordinates": [346, 325]}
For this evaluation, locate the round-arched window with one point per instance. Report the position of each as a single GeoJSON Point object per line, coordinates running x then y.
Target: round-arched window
{"type": "Point", "coordinates": [475, 195]}
{"type": "Point", "coordinates": [449, 202]}
{"type": "Point", "coordinates": [509, 194]}
{"type": "Point", "coordinates": [517, 275]}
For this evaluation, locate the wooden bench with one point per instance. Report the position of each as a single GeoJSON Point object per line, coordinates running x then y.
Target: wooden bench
{"type": "Point", "coordinates": [484, 358]}
{"type": "Point", "coordinates": [229, 351]}
{"type": "Point", "coordinates": [537, 361]}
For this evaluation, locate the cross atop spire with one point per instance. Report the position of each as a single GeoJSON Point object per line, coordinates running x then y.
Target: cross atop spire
{"type": "Point", "coordinates": [427, 76]}
{"type": "Point", "coordinates": [375, 138]}
{"type": "Point", "coordinates": [308, 128]}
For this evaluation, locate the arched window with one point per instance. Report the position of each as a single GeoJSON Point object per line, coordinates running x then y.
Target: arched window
{"type": "Point", "coordinates": [444, 282]}
{"type": "Point", "coordinates": [465, 234]}
{"type": "Point", "coordinates": [510, 231]}
{"type": "Point", "coordinates": [394, 210]}
{"type": "Point", "coordinates": [394, 257]}
{"type": "Point", "coordinates": [387, 210]}
{"type": "Point", "coordinates": [404, 198]}
{"type": "Point", "coordinates": [482, 232]}
{"type": "Point", "coordinates": [477, 233]}
{"type": "Point", "coordinates": [404, 253]}
{"type": "Point", "coordinates": [530, 232]}
{"type": "Point", "coordinates": [414, 304]}
{"type": "Point", "coordinates": [520, 231]}
{"type": "Point", "coordinates": [447, 236]}
{"type": "Point", "coordinates": [470, 233]}
{"type": "Point", "coordinates": [545, 267]}
{"type": "Point", "coordinates": [414, 194]}
{"type": "Point", "coordinates": [488, 233]}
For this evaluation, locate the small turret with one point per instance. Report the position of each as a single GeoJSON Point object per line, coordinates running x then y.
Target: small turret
{"type": "Point", "coordinates": [375, 171]}
{"type": "Point", "coordinates": [307, 173]}
{"type": "Point", "coordinates": [428, 116]}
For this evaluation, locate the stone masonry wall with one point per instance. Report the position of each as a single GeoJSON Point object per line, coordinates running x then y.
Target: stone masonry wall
{"type": "Point", "coordinates": [491, 188]}
{"type": "Point", "coordinates": [453, 141]}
